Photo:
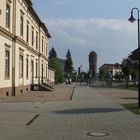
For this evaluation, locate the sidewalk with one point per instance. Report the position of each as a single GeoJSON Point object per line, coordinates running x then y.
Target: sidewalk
{"type": "Point", "coordinates": [121, 96]}
{"type": "Point", "coordinates": [61, 92]}
{"type": "Point", "coordinates": [88, 111]}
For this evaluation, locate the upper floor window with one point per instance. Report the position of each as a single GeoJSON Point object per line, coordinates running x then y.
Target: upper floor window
{"type": "Point", "coordinates": [21, 25]}
{"type": "Point", "coordinates": [7, 64]}
{"type": "Point", "coordinates": [36, 40]}
{"type": "Point", "coordinates": [27, 31]}
{"type": "Point", "coordinates": [7, 15]}
{"type": "Point", "coordinates": [46, 49]}
{"type": "Point", "coordinates": [42, 44]}
{"type": "Point", "coordinates": [32, 36]}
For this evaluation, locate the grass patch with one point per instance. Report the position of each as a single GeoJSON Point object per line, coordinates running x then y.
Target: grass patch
{"type": "Point", "coordinates": [130, 87]}
{"type": "Point", "coordinates": [133, 108]}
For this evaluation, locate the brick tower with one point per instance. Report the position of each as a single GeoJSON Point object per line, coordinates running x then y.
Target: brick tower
{"type": "Point", "coordinates": [93, 62]}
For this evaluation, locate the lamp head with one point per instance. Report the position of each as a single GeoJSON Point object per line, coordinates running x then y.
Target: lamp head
{"type": "Point", "coordinates": [131, 19]}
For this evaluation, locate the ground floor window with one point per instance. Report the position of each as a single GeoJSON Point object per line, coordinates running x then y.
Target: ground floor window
{"type": "Point", "coordinates": [36, 69]}
{"type": "Point", "coordinates": [7, 64]}
{"type": "Point", "coordinates": [20, 66]}
{"type": "Point", "coordinates": [27, 67]}
{"type": "Point", "coordinates": [46, 70]}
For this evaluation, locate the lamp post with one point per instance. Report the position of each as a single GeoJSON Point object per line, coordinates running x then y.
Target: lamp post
{"type": "Point", "coordinates": [132, 19]}
{"type": "Point", "coordinates": [79, 72]}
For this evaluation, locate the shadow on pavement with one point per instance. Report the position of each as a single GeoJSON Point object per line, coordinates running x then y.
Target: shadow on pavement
{"type": "Point", "coordinates": [129, 98]}
{"type": "Point", "coordinates": [88, 110]}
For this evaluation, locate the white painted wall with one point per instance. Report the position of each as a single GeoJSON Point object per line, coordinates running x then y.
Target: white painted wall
{"type": "Point", "coordinates": [3, 14]}
{"type": "Point", "coordinates": [20, 6]}
{"type": "Point", "coordinates": [3, 82]}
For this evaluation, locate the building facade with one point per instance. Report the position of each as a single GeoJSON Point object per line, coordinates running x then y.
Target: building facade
{"type": "Point", "coordinates": [93, 62]}
{"type": "Point", "coordinates": [110, 70]}
{"type": "Point", "coordinates": [23, 46]}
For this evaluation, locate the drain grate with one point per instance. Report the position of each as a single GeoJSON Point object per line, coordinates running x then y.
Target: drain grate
{"type": "Point", "coordinates": [97, 134]}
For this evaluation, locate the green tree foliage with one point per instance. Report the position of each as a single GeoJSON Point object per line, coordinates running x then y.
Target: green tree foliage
{"type": "Point", "coordinates": [52, 53]}
{"type": "Point", "coordinates": [68, 63]}
{"type": "Point", "coordinates": [53, 63]}
{"type": "Point", "coordinates": [129, 67]}
{"type": "Point", "coordinates": [119, 76]}
{"type": "Point", "coordinates": [102, 74]}
{"type": "Point", "coordinates": [126, 67]}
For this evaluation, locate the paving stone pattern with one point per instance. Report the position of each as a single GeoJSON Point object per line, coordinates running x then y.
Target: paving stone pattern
{"type": "Point", "coordinates": [88, 111]}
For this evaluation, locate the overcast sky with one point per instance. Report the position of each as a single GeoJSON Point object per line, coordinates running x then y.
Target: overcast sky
{"type": "Point", "coordinates": [86, 25]}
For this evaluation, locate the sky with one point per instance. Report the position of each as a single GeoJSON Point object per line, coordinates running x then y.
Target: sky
{"type": "Point", "coordinates": [86, 25]}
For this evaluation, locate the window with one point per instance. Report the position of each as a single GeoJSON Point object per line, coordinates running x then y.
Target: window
{"type": "Point", "coordinates": [46, 70]}
{"type": "Point", "coordinates": [7, 15]}
{"type": "Point", "coordinates": [7, 64]}
{"type": "Point", "coordinates": [32, 36]}
{"type": "Point", "coordinates": [36, 40]}
{"type": "Point", "coordinates": [20, 66]}
{"type": "Point", "coordinates": [36, 69]}
{"type": "Point", "coordinates": [42, 43]}
{"type": "Point", "coordinates": [46, 49]}
{"type": "Point", "coordinates": [27, 35]}
{"type": "Point", "coordinates": [27, 67]}
{"type": "Point", "coordinates": [21, 25]}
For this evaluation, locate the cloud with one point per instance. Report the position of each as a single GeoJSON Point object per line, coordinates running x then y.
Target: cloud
{"type": "Point", "coordinates": [112, 39]}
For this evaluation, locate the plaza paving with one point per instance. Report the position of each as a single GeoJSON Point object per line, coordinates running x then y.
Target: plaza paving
{"type": "Point", "coordinates": [90, 110]}
{"type": "Point", "coordinates": [60, 93]}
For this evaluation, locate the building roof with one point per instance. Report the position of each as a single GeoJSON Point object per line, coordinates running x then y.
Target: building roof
{"type": "Point", "coordinates": [29, 2]}
{"type": "Point", "coordinates": [116, 65]}
{"type": "Point", "coordinates": [41, 24]}
{"type": "Point", "coordinates": [92, 53]}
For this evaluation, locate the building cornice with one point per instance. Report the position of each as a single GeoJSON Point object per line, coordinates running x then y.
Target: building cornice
{"type": "Point", "coordinates": [29, 2]}
{"type": "Point", "coordinates": [6, 34]}
{"type": "Point", "coordinates": [43, 56]}
{"type": "Point", "coordinates": [20, 41]}
{"type": "Point", "coordinates": [30, 49]}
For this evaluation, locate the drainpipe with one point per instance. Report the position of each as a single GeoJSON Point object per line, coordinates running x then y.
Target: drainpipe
{"type": "Point", "coordinates": [13, 48]}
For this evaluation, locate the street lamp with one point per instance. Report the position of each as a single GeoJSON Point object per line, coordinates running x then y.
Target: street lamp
{"type": "Point", "coordinates": [79, 72]}
{"type": "Point", "coordinates": [132, 19]}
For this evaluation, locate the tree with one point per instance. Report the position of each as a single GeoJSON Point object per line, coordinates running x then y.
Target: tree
{"type": "Point", "coordinates": [52, 53]}
{"type": "Point", "coordinates": [53, 63]}
{"type": "Point", "coordinates": [68, 68]}
{"type": "Point", "coordinates": [102, 74]}
{"type": "Point", "coordinates": [127, 69]}
{"type": "Point", "coordinates": [118, 76]}
{"type": "Point", "coordinates": [134, 65]}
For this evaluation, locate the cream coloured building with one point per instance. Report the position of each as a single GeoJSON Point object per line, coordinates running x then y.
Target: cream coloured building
{"type": "Point", "coordinates": [111, 69]}
{"type": "Point", "coordinates": [23, 46]}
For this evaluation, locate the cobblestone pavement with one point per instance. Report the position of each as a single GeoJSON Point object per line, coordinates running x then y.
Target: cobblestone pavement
{"type": "Point", "coordinates": [121, 96]}
{"type": "Point", "coordinates": [88, 111]}
{"type": "Point", "coordinates": [61, 92]}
